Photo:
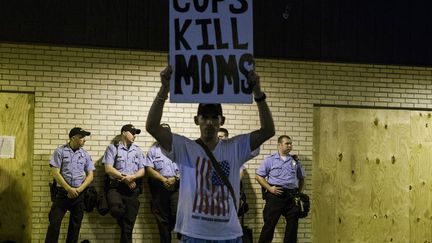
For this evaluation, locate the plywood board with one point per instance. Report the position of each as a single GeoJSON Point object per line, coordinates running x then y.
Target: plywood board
{"type": "Point", "coordinates": [323, 179]}
{"type": "Point", "coordinates": [420, 171]}
{"type": "Point", "coordinates": [16, 173]}
{"type": "Point", "coordinates": [363, 170]}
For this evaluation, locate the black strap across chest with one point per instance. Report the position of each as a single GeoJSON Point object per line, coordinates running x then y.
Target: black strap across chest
{"type": "Point", "coordinates": [217, 167]}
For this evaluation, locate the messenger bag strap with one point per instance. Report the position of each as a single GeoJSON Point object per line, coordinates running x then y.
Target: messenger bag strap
{"type": "Point", "coordinates": [218, 170]}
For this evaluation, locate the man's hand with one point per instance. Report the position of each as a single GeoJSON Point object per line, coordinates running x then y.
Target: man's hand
{"type": "Point", "coordinates": [254, 81]}
{"type": "Point", "coordinates": [276, 190]}
{"type": "Point", "coordinates": [128, 179]}
{"type": "Point", "coordinates": [132, 185]}
{"type": "Point", "coordinates": [252, 78]}
{"type": "Point", "coordinates": [169, 183]}
{"type": "Point", "coordinates": [166, 76]}
{"type": "Point", "coordinates": [72, 192]}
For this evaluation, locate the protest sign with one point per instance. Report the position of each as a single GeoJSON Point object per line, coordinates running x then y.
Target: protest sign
{"type": "Point", "coordinates": [211, 51]}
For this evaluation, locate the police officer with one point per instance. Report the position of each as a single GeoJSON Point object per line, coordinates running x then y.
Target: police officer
{"type": "Point", "coordinates": [164, 184]}
{"type": "Point", "coordinates": [72, 169]}
{"type": "Point", "coordinates": [223, 134]}
{"type": "Point", "coordinates": [285, 178]}
{"type": "Point", "coordinates": [124, 164]}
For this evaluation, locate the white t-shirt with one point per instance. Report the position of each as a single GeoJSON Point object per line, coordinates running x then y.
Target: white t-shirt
{"type": "Point", "coordinates": [205, 207]}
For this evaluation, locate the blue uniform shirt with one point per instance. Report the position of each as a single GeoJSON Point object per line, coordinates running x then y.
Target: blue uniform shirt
{"type": "Point", "coordinates": [128, 162]}
{"type": "Point", "coordinates": [281, 173]}
{"type": "Point", "coordinates": [162, 164]}
{"type": "Point", "coordinates": [73, 165]}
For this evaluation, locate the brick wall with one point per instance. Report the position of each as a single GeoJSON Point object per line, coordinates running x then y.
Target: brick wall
{"type": "Point", "coordinates": [101, 89]}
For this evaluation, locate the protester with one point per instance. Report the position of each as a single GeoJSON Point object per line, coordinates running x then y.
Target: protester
{"type": "Point", "coordinates": [206, 209]}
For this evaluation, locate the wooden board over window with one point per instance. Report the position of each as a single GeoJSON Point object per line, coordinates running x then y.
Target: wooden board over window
{"type": "Point", "coordinates": [372, 175]}
{"type": "Point", "coordinates": [16, 171]}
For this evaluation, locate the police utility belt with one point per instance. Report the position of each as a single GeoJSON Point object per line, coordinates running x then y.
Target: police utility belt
{"type": "Point", "coordinates": [285, 192]}
{"type": "Point", "coordinates": [112, 183]}
{"type": "Point", "coordinates": [288, 191]}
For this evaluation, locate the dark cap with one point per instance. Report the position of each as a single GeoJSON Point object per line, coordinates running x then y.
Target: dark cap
{"type": "Point", "coordinates": [209, 109]}
{"type": "Point", "coordinates": [78, 131]}
{"type": "Point", "coordinates": [130, 128]}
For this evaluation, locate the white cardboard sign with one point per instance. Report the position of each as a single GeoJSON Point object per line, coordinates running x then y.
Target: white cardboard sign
{"type": "Point", "coordinates": [211, 51]}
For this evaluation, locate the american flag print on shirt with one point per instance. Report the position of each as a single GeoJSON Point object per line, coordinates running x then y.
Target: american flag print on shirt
{"type": "Point", "coordinates": [211, 195]}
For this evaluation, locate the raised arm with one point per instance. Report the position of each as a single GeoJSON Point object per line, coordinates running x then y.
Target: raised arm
{"type": "Point", "coordinates": [267, 129]}
{"type": "Point", "coordinates": [163, 136]}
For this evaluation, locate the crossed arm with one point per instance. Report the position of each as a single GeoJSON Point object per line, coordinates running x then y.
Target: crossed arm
{"type": "Point", "coordinates": [73, 192]}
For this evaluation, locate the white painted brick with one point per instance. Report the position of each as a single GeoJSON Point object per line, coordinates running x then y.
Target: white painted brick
{"type": "Point", "coordinates": [102, 89]}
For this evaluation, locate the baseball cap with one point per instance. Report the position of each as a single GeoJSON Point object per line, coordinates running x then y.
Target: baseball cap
{"type": "Point", "coordinates": [78, 131]}
{"type": "Point", "coordinates": [209, 109]}
{"type": "Point", "coordinates": [130, 128]}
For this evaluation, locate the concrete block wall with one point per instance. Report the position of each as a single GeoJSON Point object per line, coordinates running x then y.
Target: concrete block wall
{"type": "Point", "coordinates": [103, 89]}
